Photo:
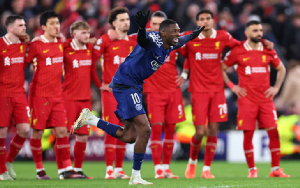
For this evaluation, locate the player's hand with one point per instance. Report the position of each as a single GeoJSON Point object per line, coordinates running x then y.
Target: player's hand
{"type": "Point", "coordinates": [141, 19]}
{"type": "Point", "coordinates": [269, 45]}
{"type": "Point", "coordinates": [179, 80]}
{"type": "Point", "coordinates": [239, 91]}
{"type": "Point", "coordinates": [271, 92]}
{"type": "Point", "coordinates": [105, 87]}
{"type": "Point", "coordinates": [112, 34]}
{"type": "Point", "coordinates": [93, 41]}
{"type": "Point", "coordinates": [196, 32]}
{"type": "Point", "coordinates": [25, 38]}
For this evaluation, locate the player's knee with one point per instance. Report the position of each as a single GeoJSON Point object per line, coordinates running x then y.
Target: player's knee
{"type": "Point", "coordinates": [146, 132]}
{"type": "Point", "coordinates": [3, 132]}
{"type": "Point", "coordinates": [37, 133]}
{"type": "Point", "coordinates": [199, 134]}
{"type": "Point", "coordinates": [212, 132]}
{"type": "Point", "coordinates": [24, 131]}
{"type": "Point", "coordinates": [131, 139]}
{"type": "Point", "coordinates": [82, 138]}
{"type": "Point", "coordinates": [61, 132]}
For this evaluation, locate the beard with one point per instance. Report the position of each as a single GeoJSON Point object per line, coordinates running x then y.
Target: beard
{"type": "Point", "coordinates": [255, 39]}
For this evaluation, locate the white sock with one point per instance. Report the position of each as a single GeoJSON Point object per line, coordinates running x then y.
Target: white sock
{"type": "Point", "coordinates": [117, 170]}
{"type": "Point", "coordinates": [274, 168]}
{"type": "Point", "coordinates": [77, 169]}
{"type": "Point", "coordinates": [38, 170]}
{"type": "Point", "coordinates": [254, 168]}
{"type": "Point", "coordinates": [61, 170]}
{"type": "Point", "coordinates": [205, 168]}
{"type": "Point", "coordinates": [93, 121]}
{"type": "Point", "coordinates": [69, 168]}
{"type": "Point", "coordinates": [157, 167]}
{"type": "Point", "coordinates": [193, 161]}
{"type": "Point", "coordinates": [109, 168]}
{"type": "Point", "coordinates": [136, 172]}
{"type": "Point", "coordinates": [165, 166]}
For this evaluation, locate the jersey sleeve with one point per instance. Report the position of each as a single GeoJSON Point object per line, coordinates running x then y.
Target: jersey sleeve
{"type": "Point", "coordinates": [99, 48]}
{"type": "Point", "coordinates": [186, 64]}
{"type": "Point", "coordinates": [94, 74]}
{"type": "Point", "coordinates": [133, 36]}
{"type": "Point", "coordinates": [231, 42]}
{"type": "Point", "coordinates": [275, 60]}
{"type": "Point", "coordinates": [32, 51]}
{"type": "Point", "coordinates": [230, 58]}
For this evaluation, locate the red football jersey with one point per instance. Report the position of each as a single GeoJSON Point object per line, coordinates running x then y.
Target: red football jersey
{"type": "Point", "coordinates": [204, 60]}
{"type": "Point", "coordinates": [78, 70]}
{"type": "Point", "coordinates": [47, 58]}
{"type": "Point", "coordinates": [12, 58]}
{"type": "Point", "coordinates": [253, 70]}
{"type": "Point", "coordinates": [113, 54]}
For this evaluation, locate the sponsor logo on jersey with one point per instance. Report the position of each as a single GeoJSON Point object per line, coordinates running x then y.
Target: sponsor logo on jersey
{"type": "Point", "coordinates": [8, 61]}
{"type": "Point", "coordinates": [250, 70]}
{"type": "Point", "coordinates": [155, 65]}
{"type": "Point", "coordinates": [203, 56]}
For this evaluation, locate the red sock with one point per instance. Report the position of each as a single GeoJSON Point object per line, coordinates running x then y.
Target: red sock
{"type": "Point", "coordinates": [59, 162]}
{"type": "Point", "coordinates": [110, 145]}
{"type": "Point", "coordinates": [15, 146]}
{"type": "Point", "coordinates": [36, 150]}
{"type": "Point", "coordinates": [168, 143]}
{"type": "Point", "coordinates": [120, 153]}
{"type": "Point", "coordinates": [210, 150]}
{"type": "Point", "coordinates": [195, 146]}
{"type": "Point", "coordinates": [155, 143]}
{"type": "Point", "coordinates": [248, 148]}
{"type": "Point", "coordinates": [2, 156]}
{"type": "Point", "coordinates": [63, 151]}
{"type": "Point", "coordinates": [79, 153]}
{"type": "Point", "coordinates": [274, 147]}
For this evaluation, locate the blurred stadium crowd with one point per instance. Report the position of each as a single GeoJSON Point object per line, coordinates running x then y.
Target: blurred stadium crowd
{"type": "Point", "coordinates": [280, 18]}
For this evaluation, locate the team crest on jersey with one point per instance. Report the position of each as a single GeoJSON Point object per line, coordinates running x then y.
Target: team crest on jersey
{"type": "Point", "coordinates": [88, 52]}
{"type": "Point", "coordinates": [264, 58]}
{"type": "Point", "coordinates": [130, 48]}
{"type": "Point", "coordinates": [138, 107]}
{"type": "Point", "coordinates": [156, 38]}
{"type": "Point", "coordinates": [217, 44]}
{"type": "Point", "coordinates": [60, 47]}
{"type": "Point", "coordinates": [21, 49]}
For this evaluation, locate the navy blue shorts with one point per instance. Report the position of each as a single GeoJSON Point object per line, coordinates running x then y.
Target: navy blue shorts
{"type": "Point", "coordinates": [129, 103]}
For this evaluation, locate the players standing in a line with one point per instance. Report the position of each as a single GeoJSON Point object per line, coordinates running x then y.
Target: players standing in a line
{"type": "Point", "coordinates": [127, 84]}
{"type": "Point", "coordinates": [45, 97]}
{"type": "Point", "coordinates": [207, 89]}
{"type": "Point", "coordinates": [113, 54]}
{"type": "Point", "coordinates": [255, 102]}
{"type": "Point", "coordinates": [13, 101]}
{"type": "Point", "coordinates": [78, 69]}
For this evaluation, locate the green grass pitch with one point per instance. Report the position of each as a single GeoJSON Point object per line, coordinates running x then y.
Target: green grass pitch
{"type": "Point", "coordinates": [227, 175]}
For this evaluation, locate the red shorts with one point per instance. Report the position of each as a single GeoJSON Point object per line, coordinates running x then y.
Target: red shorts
{"type": "Point", "coordinates": [47, 112]}
{"type": "Point", "coordinates": [209, 106]}
{"type": "Point", "coordinates": [14, 107]}
{"type": "Point", "coordinates": [109, 105]}
{"type": "Point", "coordinates": [73, 109]}
{"type": "Point", "coordinates": [165, 107]}
{"type": "Point", "coordinates": [248, 114]}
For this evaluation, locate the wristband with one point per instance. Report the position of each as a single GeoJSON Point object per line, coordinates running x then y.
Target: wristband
{"type": "Point", "coordinates": [184, 75]}
{"type": "Point", "coordinates": [230, 85]}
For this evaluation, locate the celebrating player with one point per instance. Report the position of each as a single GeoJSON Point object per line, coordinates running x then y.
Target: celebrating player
{"type": "Point", "coordinates": [114, 53]}
{"type": "Point", "coordinates": [150, 53]}
{"type": "Point", "coordinates": [255, 102]}
{"type": "Point", "coordinates": [13, 101]}
{"type": "Point", "coordinates": [79, 70]}
{"type": "Point", "coordinates": [45, 97]}
{"type": "Point", "coordinates": [207, 89]}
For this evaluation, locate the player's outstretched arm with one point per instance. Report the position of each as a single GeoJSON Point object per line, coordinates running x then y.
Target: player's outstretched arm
{"type": "Point", "coordinates": [272, 91]}
{"type": "Point", "coordinates": [142, 20]}
{"type": "Point", "coordinates": [186, 38]}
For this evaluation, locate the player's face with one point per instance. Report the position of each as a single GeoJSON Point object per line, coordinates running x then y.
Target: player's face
{"type": "Point", "coordinates": [82, 35]}
{"type": "Point", "coordinates": [19, 28]}
{"type": "Point", "coordinates": [206, 20]}
{"type": "Point", "coordinates": [155, 23]}
{"type": "Point", "coordinates": [52, 27]}
{"type": "Point", "coordinates": [122, 22]}
{"type": "Point", "coordinates": [254, 33]}
{"type": "Point", "coordinates": [172, 34]}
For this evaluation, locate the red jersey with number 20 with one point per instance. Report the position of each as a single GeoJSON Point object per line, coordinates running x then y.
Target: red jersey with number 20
{"type": "Point", "coordinates": [204, 61]}
{"type": "Point", "coordinates": [253, 70]}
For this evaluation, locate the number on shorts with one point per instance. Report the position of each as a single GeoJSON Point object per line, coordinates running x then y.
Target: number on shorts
{"type": "Point", "coordinates": [180, 109]}
{"type": "Point", "coordinates": [135, 97]}
{"type": "Point", "coordinates": [28, 111]}
{"type": "Point", "coordinates": [223, 109]}
{"type": "Point", "coordinates": [275, 115]}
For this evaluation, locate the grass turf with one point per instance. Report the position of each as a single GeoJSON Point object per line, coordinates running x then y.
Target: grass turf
{"type": "Point", "coordinates": [227, 175]}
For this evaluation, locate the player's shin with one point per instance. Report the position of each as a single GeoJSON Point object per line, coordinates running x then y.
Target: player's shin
{"type": "Point", "coordinates": [120, 154]}
{"type": "Point", "coordinates": [2, 156]}
{"type": "Point", "coordinates": [36, 150]}
{"type": "Point", "coordinates": [210, 150]}
{"type": "Point", "coordinates": [248, 149]}
{"type": "Point", "coordinates": [168, 145]}
{"type": "Point", "coordinates": [110, 144]}
{"type": "Point", "coordinates": [155, 145]}
{"type": "Point", "coordinates": [79, 154]}
{"type": "Point", "coordinates": [274, 148]}
{"type": "Point", "coordinates": [109, 128]}
{"type": "Point", "coordinates": [63, 150]}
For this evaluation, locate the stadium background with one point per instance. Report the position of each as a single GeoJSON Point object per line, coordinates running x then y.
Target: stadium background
{"type": "Point", "coordinates": [281, 22]}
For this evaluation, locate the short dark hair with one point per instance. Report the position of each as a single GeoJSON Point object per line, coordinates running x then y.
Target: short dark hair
{"type": "Point", "coordinates": [160, 14]}
{"type": "Point", "coordinates": [166, 23]}
{"type": "Point", "coordinates": [45, 16]}
{"type": "Point", "coordinates": [12, 18]}
{"type": "Point", "coordinates": [115, 12]}
{"type": "Point", "coordinates": [253, 22]}
{"type": "Point", "coordinates": [204, 11]}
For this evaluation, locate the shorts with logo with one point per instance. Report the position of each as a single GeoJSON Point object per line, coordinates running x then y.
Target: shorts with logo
{"type": "Point", "coordinates": [129, 103]}
{"type": "Point", "coordinates": [209, 106]}
{"type": "Point", "coordinates": [14, 108]}
{"type": "Point", "coordinates": [165, 107]}
{"type": "Point", "coordinates": [109, 105]}
{"type": "Point", "coordinates": [73, 109]}
{"type": "Point", "coordinates": [248, 114]}
{"type": "Point", "coordinates": [47, 112]}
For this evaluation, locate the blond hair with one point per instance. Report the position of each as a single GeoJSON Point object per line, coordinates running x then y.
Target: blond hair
{"type": "Point", "coordinates": [79, 25]}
